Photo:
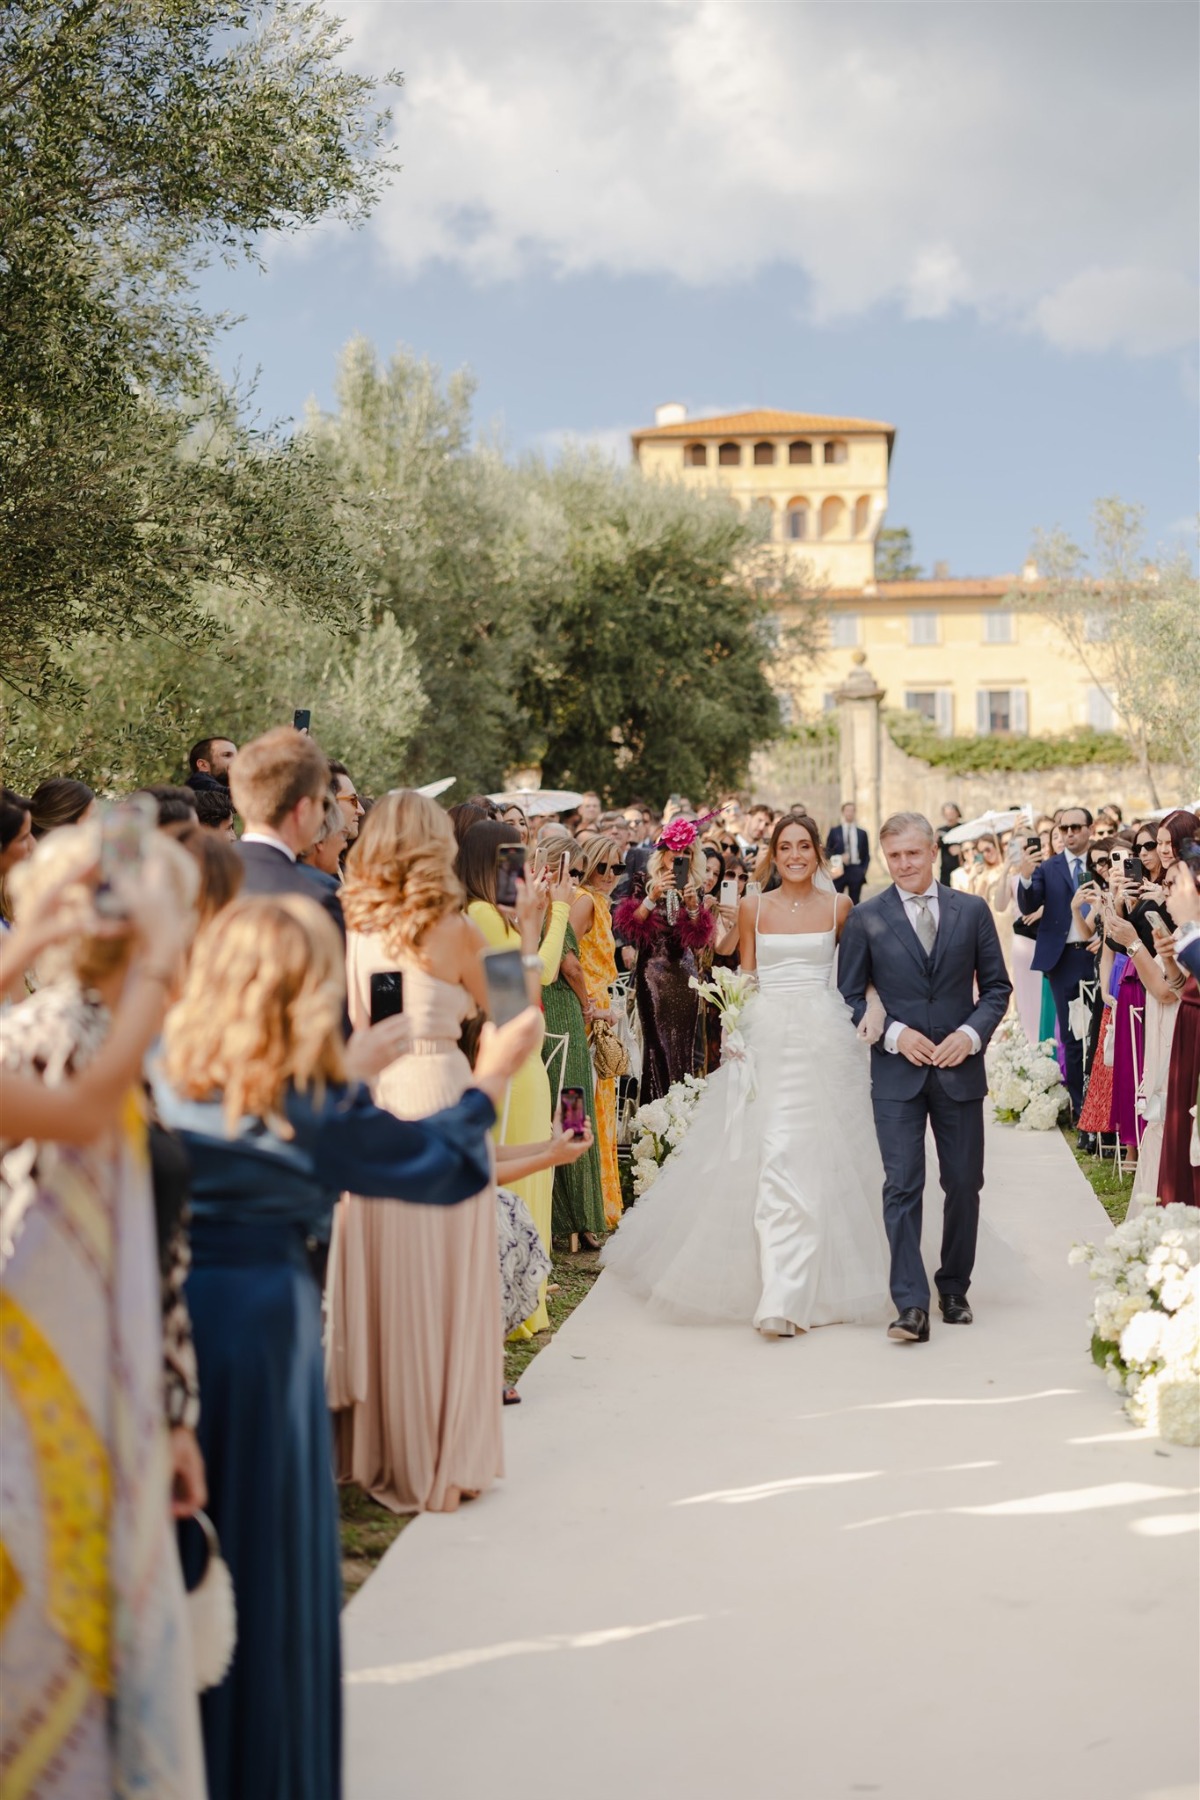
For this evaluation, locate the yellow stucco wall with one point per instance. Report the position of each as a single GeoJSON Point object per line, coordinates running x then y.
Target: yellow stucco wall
{"type": "Point", "coordinates": [1037, 662]}
{"type": "Point", "coordinates": [841, 554]}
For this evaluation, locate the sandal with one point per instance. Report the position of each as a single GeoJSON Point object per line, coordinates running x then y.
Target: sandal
{"type": "Point", "coordinates": [511, 1396]}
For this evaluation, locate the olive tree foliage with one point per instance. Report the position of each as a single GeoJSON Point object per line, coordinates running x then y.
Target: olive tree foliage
{"type": "Point", "coordinates": [139, 138]}
{"type": "Point", "coordinates": [656, 634]}
{"type": "Point", "coordinates": [1132, 625]}
{"type": "Point", "coordinates": [256, 663]}
{"type": "Point", "coordinates": [613, 630]}
{"type": "Point", "coordinates": [440, 531]}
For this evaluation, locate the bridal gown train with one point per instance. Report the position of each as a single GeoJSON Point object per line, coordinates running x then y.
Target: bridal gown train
{"type": "Point", "coordinates": [771, 1208]}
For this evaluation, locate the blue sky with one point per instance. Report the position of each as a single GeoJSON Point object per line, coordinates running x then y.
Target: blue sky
{"type": "Point", "coordinates": [976, 221]}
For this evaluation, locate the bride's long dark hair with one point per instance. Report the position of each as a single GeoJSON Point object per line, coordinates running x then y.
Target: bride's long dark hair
{"type": "Point", "coordinates": [781, 825]}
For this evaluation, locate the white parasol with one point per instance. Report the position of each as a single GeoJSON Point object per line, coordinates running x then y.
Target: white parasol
{"type": "Point", "coordinates": [986, 822]}
{"type": "Point", "coordinates": [536, 802]}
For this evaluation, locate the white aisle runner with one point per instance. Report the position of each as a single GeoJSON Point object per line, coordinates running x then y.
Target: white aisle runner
{"type": "Point", "coordinates": [828, 1567]}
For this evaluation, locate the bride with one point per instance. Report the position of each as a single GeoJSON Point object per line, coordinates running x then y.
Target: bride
{"type": "Point", "coordinates": [771, 1208]}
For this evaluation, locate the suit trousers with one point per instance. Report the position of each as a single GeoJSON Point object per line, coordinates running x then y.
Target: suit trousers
{"type": "Point", "coordinates": [852, 882]}
{"type": "Point", "coordinates": [1076, 964]}
{"type": "Point", "coordinates": [958, 1135]}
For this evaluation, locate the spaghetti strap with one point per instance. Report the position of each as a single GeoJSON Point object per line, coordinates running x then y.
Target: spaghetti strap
{"type": "Point", "coordinates": [757, 910]}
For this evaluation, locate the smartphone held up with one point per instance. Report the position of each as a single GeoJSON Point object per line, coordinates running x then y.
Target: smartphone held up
{"type": "Point", "coordinates": [510, 868]}
{"type": "Point", "coordinates": [573, 1112]}
{"type": "Point", "coordinates": [126, 830]}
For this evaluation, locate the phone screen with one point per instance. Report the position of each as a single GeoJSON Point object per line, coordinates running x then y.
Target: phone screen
{"type": "Point", "coordinates": [729, 893]}
{"type": "Point", "coordinates": [124, 834]}
{"type": "Point", "coordinates": [387, 994]}
{"type": "Point", "coordinates": [505, 985]}
{"type": "Point", "coordinates": [302, 719]}
{"type": "Point", "coordinates": [574, 1114]}
{"type": "Point", "coordinates": [510, 867]}
{"type": "Point", "coordinates": [682, 867]}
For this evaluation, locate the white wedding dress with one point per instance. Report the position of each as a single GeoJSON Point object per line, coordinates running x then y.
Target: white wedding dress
{"type": "Point", "coordinates": [771, 1208]}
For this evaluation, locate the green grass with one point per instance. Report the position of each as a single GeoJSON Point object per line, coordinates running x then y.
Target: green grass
{"type": "Point", "coordinates": [1112, 1190]}
{"type": "Point", "coordinates": [368, 1529]}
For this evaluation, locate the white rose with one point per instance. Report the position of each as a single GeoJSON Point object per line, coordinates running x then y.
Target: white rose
{"type": "Point", "coordinates": [644, 1177]}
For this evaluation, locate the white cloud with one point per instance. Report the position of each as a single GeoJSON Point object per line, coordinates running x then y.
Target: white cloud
{"type": "Point", "coordinates": [1035, 163]}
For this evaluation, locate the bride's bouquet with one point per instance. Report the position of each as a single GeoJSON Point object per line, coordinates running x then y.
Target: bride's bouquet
{"type": "Point", "coordinates": [1025, 1080]}
{"type": "Point", "coordinates": [660, 1127]}
{"type": "Point", "coordinates": [1146, 1317]}
{"type": "Point", "coordinates": [729, 991]}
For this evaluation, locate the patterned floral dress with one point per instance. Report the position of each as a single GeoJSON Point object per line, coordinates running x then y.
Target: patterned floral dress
{"type": "Point", "coordinates": [96, 1686]}
{"type": "Point", "coordinates": [598, 959]}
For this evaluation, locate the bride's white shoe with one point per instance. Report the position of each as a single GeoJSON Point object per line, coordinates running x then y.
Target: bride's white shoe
{"type": "Point", "coordinates": [777, 1328]}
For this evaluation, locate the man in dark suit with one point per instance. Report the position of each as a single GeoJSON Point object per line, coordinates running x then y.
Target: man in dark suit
{"type": "Point", "coordinates": [279, 785]}
{"type": "Point", "coordinates": [1060, 951]}
{"type": "Point", "coordinates": [849, 841]}
{"type": "Point", "coordinates": [926, 949]}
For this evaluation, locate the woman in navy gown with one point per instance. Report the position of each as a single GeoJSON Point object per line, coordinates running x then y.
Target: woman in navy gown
{"type": "Point", "coordinates": [253, 1078]}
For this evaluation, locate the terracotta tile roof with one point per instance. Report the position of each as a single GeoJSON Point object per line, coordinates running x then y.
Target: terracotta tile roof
{"type": "Point", "coordinates": [967, 587]}
{"type": "Point", "coordinates": [760, 424]}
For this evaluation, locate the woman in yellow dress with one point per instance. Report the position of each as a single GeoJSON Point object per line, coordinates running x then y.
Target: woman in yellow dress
{"type": "Point", "coordinates": [600, 868]}
{"type": "Point", "coordinates": [528, 1115]}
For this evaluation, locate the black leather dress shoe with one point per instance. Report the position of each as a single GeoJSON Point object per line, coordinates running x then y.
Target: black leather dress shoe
{"type": "Point", "coordinates": [955, 1310]}
{"type": "Point", "coordinates": [912, 1327]}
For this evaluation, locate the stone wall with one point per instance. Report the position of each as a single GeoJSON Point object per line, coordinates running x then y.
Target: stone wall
{"type": "Point", "coordinates": [910, 785]}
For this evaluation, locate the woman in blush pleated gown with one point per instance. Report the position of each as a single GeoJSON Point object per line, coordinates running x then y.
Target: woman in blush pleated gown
{"type": "Point", "coordinates": [415, 1363]}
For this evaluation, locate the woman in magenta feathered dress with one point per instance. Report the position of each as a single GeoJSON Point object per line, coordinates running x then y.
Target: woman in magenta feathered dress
{"type": "Point", "coordinates": [667, 927]}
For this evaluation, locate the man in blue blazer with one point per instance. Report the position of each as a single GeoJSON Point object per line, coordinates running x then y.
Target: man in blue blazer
{"type": "Point", "coordinates": [1060, 951]}
{"type": "Point", "coordinates": [935, 961]}
{"type": "Point", "coordinates": [849, 841]}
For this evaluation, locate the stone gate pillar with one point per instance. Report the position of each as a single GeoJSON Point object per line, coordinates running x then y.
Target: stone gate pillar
{"type": "Point", "coordinates": [859, 701]}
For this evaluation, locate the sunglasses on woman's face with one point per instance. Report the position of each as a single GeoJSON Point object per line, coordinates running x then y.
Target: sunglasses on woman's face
{"type": "Point", "coordinates": [1102, 862]}
{"type": "Point", "coordinates": [608, 868]}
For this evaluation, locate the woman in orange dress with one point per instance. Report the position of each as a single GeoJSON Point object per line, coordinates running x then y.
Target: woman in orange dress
{"type": "Point", "coordinates": [591, 919]}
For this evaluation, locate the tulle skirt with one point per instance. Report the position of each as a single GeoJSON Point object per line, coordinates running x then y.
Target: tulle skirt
{"type": "Point", "coordinates": [772, 1205]}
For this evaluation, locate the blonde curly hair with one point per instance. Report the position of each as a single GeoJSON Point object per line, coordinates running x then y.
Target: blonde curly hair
{"type": "Point", "coordinates": [400, 879]}
{"type": "Point", "coordinates": [261, 1009]}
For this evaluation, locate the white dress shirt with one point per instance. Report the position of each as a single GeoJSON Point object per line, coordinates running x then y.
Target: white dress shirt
{"type": "Point", "coordinates": [850, 843]}
{"type": "Point", "coordinates": [891, 1042]}
{"type": "Point", "coordinates": [268, 837]}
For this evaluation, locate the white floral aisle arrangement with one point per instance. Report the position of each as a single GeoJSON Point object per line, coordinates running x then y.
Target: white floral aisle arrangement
{"type": "Point", "coordinates": [1024, 1080]}
{"type": "Point", "coordinates": [659, 1127]}
{"type": "Point", "coordinates": [1146, 1317]}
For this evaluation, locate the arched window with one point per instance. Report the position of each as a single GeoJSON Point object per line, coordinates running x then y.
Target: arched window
{"type": "Point", "coordinates": [800, 452]}
{"type": "Point", "coordinates": [862, 514]}
{"type": "Point", "coordinates": [836, 450]}
{"type": "Point", "coordinates": [729, 455]}
{"type": "Point", "coordinates": [833, 514]}
{"type": "Point", "coordinates": [695, 456]}
{"type": "Point", "coordinates": [797, 520]}
{"type": "Point", "coordinates": [764, 455]}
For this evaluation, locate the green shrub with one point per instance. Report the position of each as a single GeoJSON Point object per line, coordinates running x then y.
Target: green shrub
{"type": "Point", "coordinates": [987, 755]}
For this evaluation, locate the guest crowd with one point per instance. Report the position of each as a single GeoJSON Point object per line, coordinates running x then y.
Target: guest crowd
{"type": "Point", "coordinates": [274, 1191]}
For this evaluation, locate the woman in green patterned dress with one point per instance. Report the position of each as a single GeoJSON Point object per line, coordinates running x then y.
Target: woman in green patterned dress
{"type": "Point", "coordinates": [578, 1191]}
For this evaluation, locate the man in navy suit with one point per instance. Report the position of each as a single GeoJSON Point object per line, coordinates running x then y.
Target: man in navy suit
{"type": "Point", "coordinates": [849, 841]}
{"type": "Point", "coordinates": [279, 785]}
{"type": "Point", "coordinates": [1060, 951]}
{"type": "Point", "coordinates": [935, 961]}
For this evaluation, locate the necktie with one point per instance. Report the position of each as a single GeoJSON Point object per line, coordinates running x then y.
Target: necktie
{"type": "Point", "coordinates": [1076, 872]}
{"type": "Point", "coordinates": [923, 923]}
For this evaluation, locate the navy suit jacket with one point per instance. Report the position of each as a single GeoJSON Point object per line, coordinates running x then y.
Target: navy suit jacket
{"type": "Point", "coordinates": [268, 871]}
{"type": "Point", "coordinates": [835, 845]}
{"type": "Point", "coordinates": [1052, 889]}
{"type": "Point", "coordinates": [933, 994]}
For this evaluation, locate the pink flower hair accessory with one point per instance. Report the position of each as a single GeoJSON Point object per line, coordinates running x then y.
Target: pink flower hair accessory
{"type": "Point", "coordinates": [681, 834]}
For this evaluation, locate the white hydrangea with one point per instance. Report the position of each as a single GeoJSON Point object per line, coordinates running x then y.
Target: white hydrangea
{"type": "Point", "coordinates": [1177, 1398]}
{"type": "Point", "coordinates": [1142, 1338]}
